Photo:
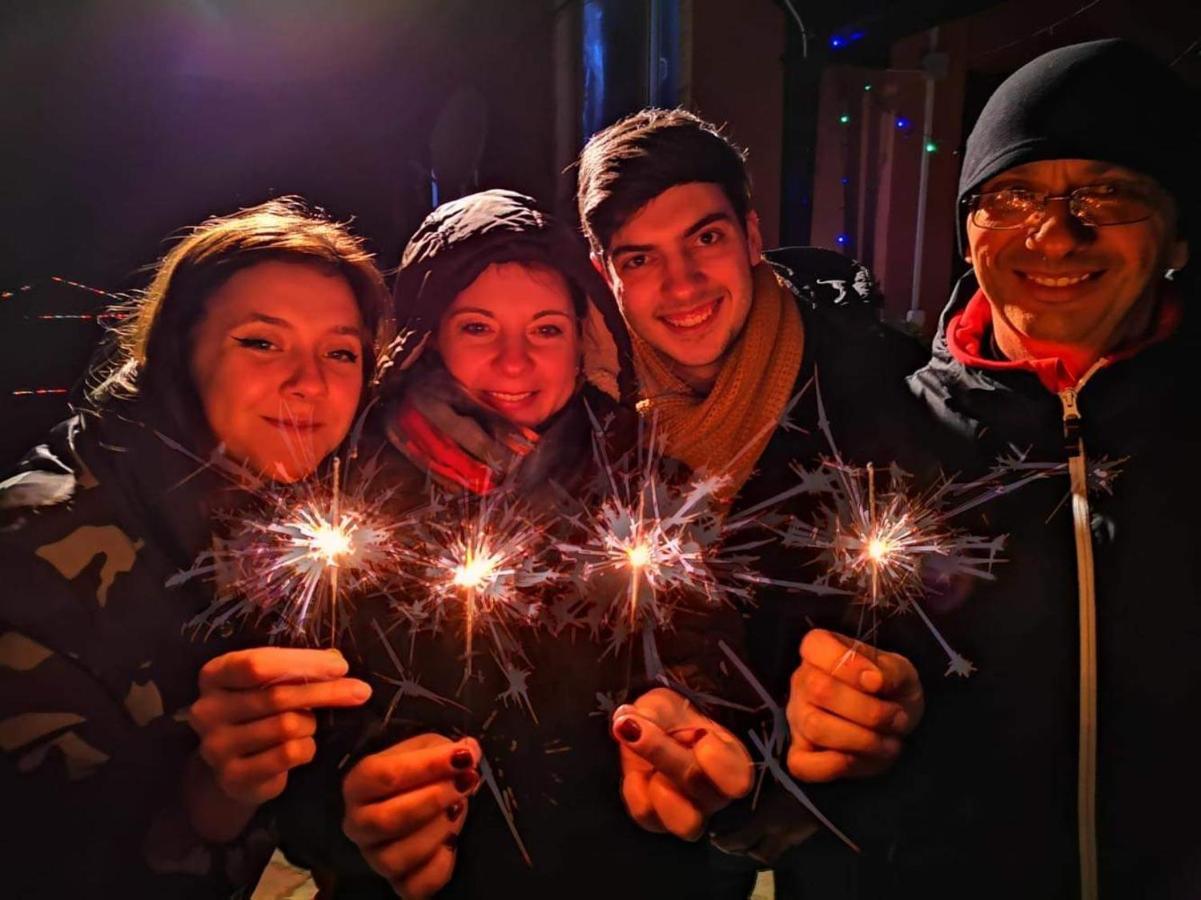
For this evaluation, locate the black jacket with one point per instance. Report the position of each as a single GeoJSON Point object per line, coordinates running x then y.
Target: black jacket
{"type": "Point", "coordinates": [857, 365]}
{"type": "Point", "coordinates": [991, 776]}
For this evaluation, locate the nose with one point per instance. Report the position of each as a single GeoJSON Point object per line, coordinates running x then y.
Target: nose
{"type": "Point", "coordinates": [306, 379]}
{"type": "Point", "coordinates": [1058, 233]}
{"type": "Point", "coordinates": [682, 277]}
{"type": "Point", "coordinates": [513, 355]}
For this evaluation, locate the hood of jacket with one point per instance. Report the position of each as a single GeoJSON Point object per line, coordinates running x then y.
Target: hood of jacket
{"type": "Point", "coordinates": [460, 239]}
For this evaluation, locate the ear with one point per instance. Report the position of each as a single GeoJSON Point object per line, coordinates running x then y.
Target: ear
{"type": "Point", "coordinates": [599, 264]}
{"type": "Point", "coordinates": [754, 238]}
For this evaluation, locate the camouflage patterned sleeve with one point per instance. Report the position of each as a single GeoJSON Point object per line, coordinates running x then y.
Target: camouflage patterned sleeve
{"type": "Point", "coordinates": [92, 758]}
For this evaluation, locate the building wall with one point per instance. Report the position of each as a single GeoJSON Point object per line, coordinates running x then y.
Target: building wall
{"type": "Point", "coordinates": [737, 78]}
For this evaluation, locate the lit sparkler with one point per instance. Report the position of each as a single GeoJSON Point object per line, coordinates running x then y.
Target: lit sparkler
{"type": "Point", "coordinates": [888, 547]}
{"type": "Point", "coordinates": [485, 562]}
{"type": "Point", "coordinates": [650, 544]}
{"type": "Point", "coordinates": [292, 564]}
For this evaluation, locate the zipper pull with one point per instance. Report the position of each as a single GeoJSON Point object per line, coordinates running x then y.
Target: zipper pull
{"type": "Point", "coordinates": [1071, 421]}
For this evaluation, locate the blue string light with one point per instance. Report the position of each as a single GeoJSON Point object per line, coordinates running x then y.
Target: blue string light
{"type": "Point", "coordinates": [842, 240]}
{"type": "Point", "coordinates": [902, 122]}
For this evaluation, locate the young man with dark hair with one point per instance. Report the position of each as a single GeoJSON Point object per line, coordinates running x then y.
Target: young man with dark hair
{"type": "Point", "coordinates": [723, 341]}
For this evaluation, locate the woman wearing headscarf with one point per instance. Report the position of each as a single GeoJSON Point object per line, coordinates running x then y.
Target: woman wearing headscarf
{"type": "Point", "coordinates": [519, 353]}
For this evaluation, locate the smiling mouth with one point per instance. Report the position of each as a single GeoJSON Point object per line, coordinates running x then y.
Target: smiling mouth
{"type": "Point", "coordinates": [290, 425]}
{"type": "Point", "coordinates": [1059, 281]}
{"type": "Point", "coordinates": [508, 398]}
{"type": "Point", "coordinates": [695, 317]}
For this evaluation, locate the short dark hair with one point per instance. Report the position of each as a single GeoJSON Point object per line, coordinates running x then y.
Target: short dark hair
{"type": "Point", "coordinates": [628, 164]}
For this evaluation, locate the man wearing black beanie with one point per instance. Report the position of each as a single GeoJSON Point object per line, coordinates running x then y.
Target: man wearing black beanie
{"type": "Point", "coordinates": [1066, 766]}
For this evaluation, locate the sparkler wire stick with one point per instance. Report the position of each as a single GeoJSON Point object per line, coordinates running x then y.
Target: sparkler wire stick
{"type": "Point", "coordinates": [505, 810]}
{"type": "Point", "coordinates": [774, 745]}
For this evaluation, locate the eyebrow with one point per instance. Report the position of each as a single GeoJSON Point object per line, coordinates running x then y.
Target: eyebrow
{"type": "Point", "coordinates": [353, 330]}
{"type": "Point", "coordinates": [699, 225]}
{"type": "Point", "coordinates": [478, 310]}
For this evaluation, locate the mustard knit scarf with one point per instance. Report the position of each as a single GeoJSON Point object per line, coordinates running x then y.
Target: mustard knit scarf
{"type": "Point", "coordinates": [724, 432]}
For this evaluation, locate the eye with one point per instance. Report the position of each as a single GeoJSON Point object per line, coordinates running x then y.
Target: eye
{"type": "Point", "coordinates": [549, 331]}
{"type": "Point", "coordinates": [476, 329]}
{"type": "Point", "coordinates": [1013, 198]}
{"type": "Point", "coordinates": [633, 261]}
{"type": "Point", "coordinates": [709, 236]}
{"type": "Point", "coordinates": [255, 343]}
{"type": "Point", "coordinates": [344, 355]}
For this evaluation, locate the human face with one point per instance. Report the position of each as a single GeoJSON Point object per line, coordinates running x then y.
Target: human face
{"type": "Point", "coordinates": [277, 361]}
{"type": "Point", "coordinates": [1088, 289]}
{"type": "Point", "coordinates": [512, 340]}
{"type": "Point", "coordinates": [681, 269]}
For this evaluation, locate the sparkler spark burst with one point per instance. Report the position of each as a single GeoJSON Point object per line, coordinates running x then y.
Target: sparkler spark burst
{"type": "Point", "coordinates": [889, 548]}
{"type": "Point", "coordinates": [292, 562]}
{"type": "Point", "coordinates": [477, 558]}
{"type": "Point", "coordinates": [648, 544]}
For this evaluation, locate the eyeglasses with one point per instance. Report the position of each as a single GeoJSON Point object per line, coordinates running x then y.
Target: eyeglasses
{"type": "Point", "coordinates": [1095, 205]}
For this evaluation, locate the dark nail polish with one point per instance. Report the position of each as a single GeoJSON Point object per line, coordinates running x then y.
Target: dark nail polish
{"type": "Point", "coordinates": [461, 759]}
{"type": "Point", "coordinates": [629, 730]}
{"type": "Point", "coordinates": [454, 811]}
{"type": "Point", "coordinates": [466, 781]}
{"type": "Point", "coordinates": [451, 840]}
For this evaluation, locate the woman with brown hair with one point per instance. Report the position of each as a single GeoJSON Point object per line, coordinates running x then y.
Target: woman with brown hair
{"type": "Point", "coordinates": [243, 363]}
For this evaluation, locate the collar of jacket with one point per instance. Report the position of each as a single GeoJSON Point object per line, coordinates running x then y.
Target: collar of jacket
{"type": "Point", "coordinates": [166, 489]}
{"type": "Point", "coordinates": [970, 331]}
{"type": "Point", "coordinates": [1017, 406]}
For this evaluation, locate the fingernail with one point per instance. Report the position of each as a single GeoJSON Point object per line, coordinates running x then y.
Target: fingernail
{"type": "Point", "coordinates": [461, 758]}
{"type": "Point", "coordinates": [454, 811]}
{"type": "Point", "coordinates": [360, 690]}
{"type": "Point", "coordinates": [451, 840]}
{"type": "Point", "coordinates": [466, 781]}
{"type": "Point", "coordinates": [871, 680]}
{"type": "Point", "coordinates": [900, 722]}
{"type": "Point", "coordinates": [629, 730]}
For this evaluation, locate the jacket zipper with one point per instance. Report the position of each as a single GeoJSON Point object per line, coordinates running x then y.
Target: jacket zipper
{"type": "Point", "coordinates": [1086, 778]}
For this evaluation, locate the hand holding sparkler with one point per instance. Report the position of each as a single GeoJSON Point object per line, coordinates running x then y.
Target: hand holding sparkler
{"type": "Point", "coordinates": [849, 707]}
{"type": "Point", "coordinates": [678, 766]}
{"type": "Point", "coordinates": [255, 721]}
{"type": "Point", "coordinates": [405, 807]}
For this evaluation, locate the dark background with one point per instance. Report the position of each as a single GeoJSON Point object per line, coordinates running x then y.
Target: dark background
{"type": "Point", "coordinates": [124, 121]}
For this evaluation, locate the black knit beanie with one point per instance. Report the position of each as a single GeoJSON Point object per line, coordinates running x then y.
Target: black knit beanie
{"type": "Point", "coordinates": [1105, 100]}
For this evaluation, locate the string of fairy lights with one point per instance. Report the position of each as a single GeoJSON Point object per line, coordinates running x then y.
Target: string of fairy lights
{"type": "Point", "coordinates": [900, 121]}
